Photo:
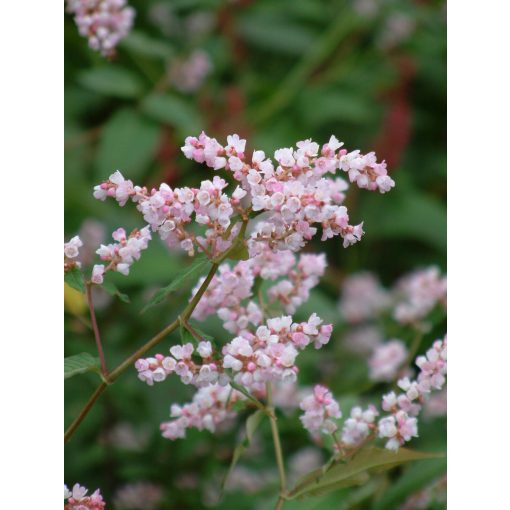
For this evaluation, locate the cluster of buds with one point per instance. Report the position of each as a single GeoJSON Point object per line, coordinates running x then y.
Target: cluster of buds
{"type": "Point", "coordinates": [71, 252]}
{"type": "Point", "coordinates": [103, 22]}
{"type": "Point", "coordinates": [122, 254]}
{"type": "Point", "coordinates": [77, 499]}
{"type": "Point", "coordinates": [295, 290]}
{"type": "Point", "coordinates": [401, 425]}
{"type": "Point", "coordinates": [293, 190]}
{"type": "Point", "coordinates": [418, 293]}
{"type": "Point", "coordinates": [359, 425]}
{"type": "Point", "coordinates": [187, 75]}
{"type": "Point", "coordinates": [199, 373]}
{"type": "Point", "coordinates": [211, 406]}
{"type": "Point", "coordinates": [410, 300]}
{"type": "Point", "coordinates": [294, 194]}
{"type": "Point", "coordinates": [363, 298]}
{"type": "Point", "coordinates": [169, 211]}
{"type": "Point", "coordinates": [386, 360]}
{"type": "Point", "coordinates": [319, 409]}
{"type": "Point", "coordinates": [139, 495]}
{"type": "Point", "coordinates": [269, 354]}
{"type": "Point", "coordinates": [230, 291]}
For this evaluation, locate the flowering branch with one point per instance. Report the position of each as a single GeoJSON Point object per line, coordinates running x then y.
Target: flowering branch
{"type": "Point", "coordinates": [140, 352]}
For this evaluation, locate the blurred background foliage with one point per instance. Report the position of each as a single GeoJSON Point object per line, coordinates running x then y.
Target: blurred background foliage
{"type": "Point", "coordinates": [370, 72]}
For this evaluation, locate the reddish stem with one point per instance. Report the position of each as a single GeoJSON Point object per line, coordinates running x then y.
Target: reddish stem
{"type": "Point", "coordinates": [97, 336]}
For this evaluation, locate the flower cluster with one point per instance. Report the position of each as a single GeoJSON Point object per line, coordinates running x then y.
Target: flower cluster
{"type": "Point", "coordinates": [211, 406]}
{"type": "Point", "coordinates": [169, 211]}
{"type": "Point", "coordinates": [293, 192]}
{"type": "Point", "coordinates": [104, 22]}
{"type": "Point", "coordinates": [122, 254]}
{"type": "Point", "coordinates": [187, 75]}
{"type": "Point", "coordinates": [359, 425]}
{"type": "Point", "coordinates": [401, 425]}
{"type": "Point", "coordinates": [270, 353]}
{"type": "Point", "coordinates": [77, 499]}
{"type": "Point", "coordinates": [138, 496]}
{"type": "Point", "coordinates": [293, 196]}
{"type": "Point", "coordinates": [230, 291]}
{"type": "Point", "coordinates": [418, 293]}
{"type": "Point", "coordinates": [363, 298]}
{"type": "Point", "coordinates": [295, 290]}
{"type": "Point", "coordinates": [386, 359]}
{"type": "Point", "coordinates": [203, 373]}
{"type": "Point", "coordinates": [410, 300]}
{"type": "Point", "coordinates": [319, 409]}
{"type": "Point", "coordinates": [253, 359]}
{"type": "Point", "coordinates": [71, 252]}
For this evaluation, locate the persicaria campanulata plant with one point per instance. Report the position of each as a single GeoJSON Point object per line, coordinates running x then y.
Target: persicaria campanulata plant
{"type": "Point", "coordinates": [251, 233]}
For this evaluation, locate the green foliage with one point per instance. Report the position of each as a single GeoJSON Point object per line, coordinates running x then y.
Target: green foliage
{"type": "Point", "coordinates": [80, 364]}
{"type": "Point", "coordinates": [355, 471]}
{"type": "Point", "coordinates": [74, 278]}
{"type": "Point", "coordinates": [112, 289]}
{"type": "Point", "coordinates": [174, 111]}
{"type": "Point", "coordinates": [252, 423]}
{"type": "Point", "coordinates": [128, 143]}
{"type": "Point", "coordinates": [194, 270]}
{"type": "Point", "coordinates": [111, 81]}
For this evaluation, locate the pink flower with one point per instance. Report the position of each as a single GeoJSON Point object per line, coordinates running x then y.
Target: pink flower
{"type": "Point", "coordinates": [359, 425]}
{"type": "Point", "coordinates": [78, 500]}
{"type": "Point", "coordinates": [121, 255]}
{"type": "Point", "coordinates": [386, 360]}
{"type": "Point", "coordinates": [320, 408]}
{"type": "Point", "coordinates": [104, 22]}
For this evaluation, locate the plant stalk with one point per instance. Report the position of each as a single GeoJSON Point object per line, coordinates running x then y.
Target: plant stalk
{"type": "Point", "coordinates": [277, 447]}
{"type": "Point", "coordinates": [97, 336]}
{"type": "Point", "coordinates": [108, 379]}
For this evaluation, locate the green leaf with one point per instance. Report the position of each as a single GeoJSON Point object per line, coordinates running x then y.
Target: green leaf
{"type": "Point", "coordinates": [74, 278]}
{"type": "Point", "coordinates": [413, 480]}
{"type": "Point", "coordinates": [162, 293]}
{"type": "Point", "coordinates": [246, 393]}
{"type": "Point", "coordinates": [409, 214]}
{"type": "Point", "coordinates": [173, 110]}
{"type": "Point", "coordinates": [277, 35]}
{"type": "Point", "coordinates": [238, 251]}
{"type": "Point", "coordinates": [112, 289]}
{"type": "Point", "coordinates": [186, 335]}
{"type": "Point", "coordinates": [111, 81]}
{"type": "Point", "coordinates": [252, 423]}
{"type": "Point", "coordinates": [356, 471]}
{"type": "Point", "coordinates": [142, 44]}
{"type": "Point", "coordinates": [204, 336]}
{"type": "Point", "coordinates": [128, 143]}
{"type": "Point", "coordinates": [80, 364]}
{"type": "Point", "coordinates": [238, 405]}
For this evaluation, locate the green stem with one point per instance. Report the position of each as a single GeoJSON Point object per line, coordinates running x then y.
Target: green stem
{"type": "Point", "coordinates": [185, 315]}
{"type": "Point", "coordinates": [316, 55]}
{"type": "Point", "coordinates": [277, 447]}
{"type": "Point", "coordinates": [413, 350]}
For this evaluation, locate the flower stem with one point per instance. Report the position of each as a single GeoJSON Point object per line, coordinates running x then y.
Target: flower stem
{"type": "Point", "coordinates": [95, 328]}
{"type": "Point", "coordinates": [87, 407]}
{"type": "Point", "coordinates": [277, 447]}
{"type": "Point", "coordinates": [108, 379]}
